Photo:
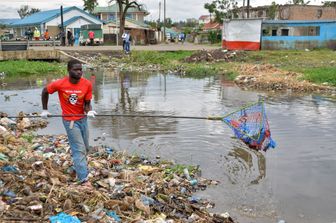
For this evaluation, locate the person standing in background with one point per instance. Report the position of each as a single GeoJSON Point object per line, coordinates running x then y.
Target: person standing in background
{"type": "Point", "coordinates": [46, 35]}
{"type": "Point", "coordinates": [37, 34]}
{"type": "Point", "coordinates": [70, 38]}
{"type": "Point", "coordinates": [91, 37]}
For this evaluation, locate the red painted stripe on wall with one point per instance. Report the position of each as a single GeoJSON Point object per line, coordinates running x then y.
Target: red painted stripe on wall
{"type": "Point", "coordinates": [240, 45]}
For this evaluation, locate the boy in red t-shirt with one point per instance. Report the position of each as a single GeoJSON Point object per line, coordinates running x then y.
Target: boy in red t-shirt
{"type": "Point", "coordinates": [75, 95]}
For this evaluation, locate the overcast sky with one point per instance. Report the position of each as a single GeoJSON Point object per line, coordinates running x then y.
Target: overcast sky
{"type": "Point", "coordinates": [176, 9]}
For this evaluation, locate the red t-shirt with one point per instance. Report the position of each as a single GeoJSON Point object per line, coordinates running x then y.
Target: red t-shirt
{"type": "Point", "coordinates": [71, 96]}
{"type": "Point", "coordinates": [91, 35]}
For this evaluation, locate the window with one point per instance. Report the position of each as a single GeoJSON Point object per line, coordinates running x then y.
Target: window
{"type": "Point", "coordinates": [129, 15]}
{"type": "Point", "coordinates": [260, 14]}
{"type": "Point", "coordinates": [319, 13]}
{"type": "Point", "coordinates": [274, 32]}
{"type": "Point", "coordinates": [111, 16]}
{"type": "Point", "coordinates": [284, 32]}
{"type": "Point", "coordinates": [306, 31]}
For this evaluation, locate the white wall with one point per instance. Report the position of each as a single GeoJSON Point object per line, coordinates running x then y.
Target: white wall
{"type": "Point", "coordinates": [70, 14]}
{"type": "Point", "coordinates": [78, 23]}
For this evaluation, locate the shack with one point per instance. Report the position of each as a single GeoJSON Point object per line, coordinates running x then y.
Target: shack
{"type": "Point", "coordinates": [141, 32]}
{"type": "Point", "coordinates": [282, 34]}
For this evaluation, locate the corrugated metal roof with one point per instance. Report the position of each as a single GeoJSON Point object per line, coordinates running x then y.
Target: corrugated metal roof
{"type": "Point", "coordinates": [45, 16]}
{"type": "Point", "coordinates": [8, 21]}
{"type": "Point", "coordinates": [296, 21]}
{"type": "Point", "coordinates": [40, 17]}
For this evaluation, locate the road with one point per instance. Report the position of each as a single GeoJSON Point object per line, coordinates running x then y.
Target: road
{"type": "Point", "coordinates": [158, 47]}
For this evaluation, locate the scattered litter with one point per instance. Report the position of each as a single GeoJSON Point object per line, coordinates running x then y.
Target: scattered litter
{"type": "Point", "coordinates": [215, 56]}
{"type": "Point", "coordinates": [38, 182]}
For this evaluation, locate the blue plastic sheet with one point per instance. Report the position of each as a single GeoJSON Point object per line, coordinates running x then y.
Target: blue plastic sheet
{"type": "Point", "coordinates": [64, 218]}
{"type": "Point", "coordinates": [113, 215]}
{"type": "Point", "coordinates": [9, 168]}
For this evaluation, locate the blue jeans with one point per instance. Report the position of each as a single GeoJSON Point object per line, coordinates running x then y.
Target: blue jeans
{"type": "Point", "coordinates": [78, 138]}
{"type": "Point", "coordinates": [127, 46]}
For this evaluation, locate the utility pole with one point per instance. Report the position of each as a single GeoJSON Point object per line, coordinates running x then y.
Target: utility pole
{"type": "Point", "coordinates": [164, 20]}
{"type": "Point", "coordinates": [116, 20]}
{"type": "Point", "coordinates": [63, 36]}
{"type": "Point", "coordinates": [159, 11]}
{"type": "Point", "coordinates": [248, 9]}
{"type": "Point", "coordinates": [159, 21]}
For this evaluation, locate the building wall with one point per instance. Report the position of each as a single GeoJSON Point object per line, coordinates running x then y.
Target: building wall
{"type": "Point", "coordinates": [293, 12]}
{"type": "Point", "coordinates": [78, 23]}
{"type": "Point", "coordinates": [306, 12]}
{"type": "Point", "coordinates": [53, 31]}
{"type": "Point", "coordinates": [203, 21]}
{"type": "Point", "coordinates": [106, 16]}
{"type": "Point", "coordinates": [326, 37]}
{"type": "Point", "coordinates": [258, 12]}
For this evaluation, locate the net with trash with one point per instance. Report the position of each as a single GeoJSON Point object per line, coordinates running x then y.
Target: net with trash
{"type": "Point", "coordinates": [250, 125]}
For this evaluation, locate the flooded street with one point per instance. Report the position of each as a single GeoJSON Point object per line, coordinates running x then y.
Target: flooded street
{"type": "Point", "coordinates": [294, 182]}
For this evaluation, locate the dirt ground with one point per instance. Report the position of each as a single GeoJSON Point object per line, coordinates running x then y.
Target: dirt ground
{"type": "Point", "coordinates": [267, 77]}
{"type": "Point", "coordinates": [256, 76]}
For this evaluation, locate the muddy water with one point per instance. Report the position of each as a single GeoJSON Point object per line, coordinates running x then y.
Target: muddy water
{"type": "Point", "coordinates": [295, 182]}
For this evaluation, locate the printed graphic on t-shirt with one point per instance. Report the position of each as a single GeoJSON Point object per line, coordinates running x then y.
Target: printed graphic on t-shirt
{"type": "Point", "coordinates": [72, 97]}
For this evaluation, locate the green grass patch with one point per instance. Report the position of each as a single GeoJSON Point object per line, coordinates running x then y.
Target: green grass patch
{"type": "Point", "coordinates": [321, 75]}
{"type": "Point", "coordinates": [292, 60]}
{"type": "Point", "coordinates": [200, 70]}
{"type": "Point", "coordinates": [14, 68]}
{"type": "Point", "coordinates": [231, 75]}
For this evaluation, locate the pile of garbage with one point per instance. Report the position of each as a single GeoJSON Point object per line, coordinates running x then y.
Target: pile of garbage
{"type": "Point", "coordinates": [110, 60]}
{"type": "Point", "coordinates": [214, 56]}
{"type": "Point", "coordinates": [38, 183]}
{"type": "Point", "coordinates": [268, 77]}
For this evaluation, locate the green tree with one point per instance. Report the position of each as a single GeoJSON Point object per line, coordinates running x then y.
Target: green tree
{"type": "Point", "coordinates": [329, 4]}
{"type": "Point", "coordinates": [169, 22]}
{"type": "Point", "coordinates": [123, 6]}
{"type": "Point", "coordinates": [152, 24]}
{"type": "Point", "coordinates": [89, 5]}
{"type": "Point", "coordinates": [25, 11]}
{"type": "Point", "coordinates": [223, 9]}
{"type": "Point", "coordinates": [300, 2]}
{"type": "Point", "coordinates": [271, 11]}
{"type": "Point", "coordinates": [211, 7]}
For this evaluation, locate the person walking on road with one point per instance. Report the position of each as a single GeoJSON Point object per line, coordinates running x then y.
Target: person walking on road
{"type": "Point", "coordinates": [70, 38]}
{"type": "Point", "coordinates": [123, 37]}
{"type": "Point", "coordinates": [127, 39]}
{"type": "Point", "coordinates": [62, 37]}
{"type": "Point", "coordinates": [75, 94]}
